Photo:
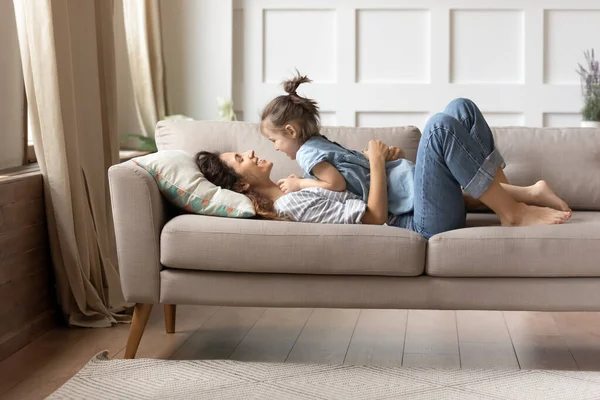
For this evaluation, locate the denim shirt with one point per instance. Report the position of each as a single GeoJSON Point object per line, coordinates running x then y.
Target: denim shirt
{"type": "Point", "coordinates": [355, 169]}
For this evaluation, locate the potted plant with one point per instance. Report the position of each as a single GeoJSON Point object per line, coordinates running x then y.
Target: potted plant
{"type": "Point", "coordinates": [590, 89]}
{"type": "Point", "coordinates": [225, 108]}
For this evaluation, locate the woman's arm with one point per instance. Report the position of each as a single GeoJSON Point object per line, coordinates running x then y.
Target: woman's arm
{"type": "Point", "coordinates": [377, 203]}
{"type": "Point", "coordinates": [328, 177]}
{"type": "Point", "coordinates": [322, 206]}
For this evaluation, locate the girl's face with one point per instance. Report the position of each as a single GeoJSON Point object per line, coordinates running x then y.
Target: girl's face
{"type": "Point", "coordinates": [284, 140]}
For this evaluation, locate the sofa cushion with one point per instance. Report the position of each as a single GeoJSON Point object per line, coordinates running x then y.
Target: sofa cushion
{"type": "Point", "coordinates": [220, 136]}
{"type": "Point", "coordinates": [569, 159]}
{"type": "Point", "coordinates": [222, 244]}
{"type": "Point", "coordinates": [568, 250]}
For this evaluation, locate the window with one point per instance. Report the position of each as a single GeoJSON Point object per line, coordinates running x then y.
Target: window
{"type": "Point", "coordinates": [30, 150]}
{"type": "Point", "coordinates": [12, 102]}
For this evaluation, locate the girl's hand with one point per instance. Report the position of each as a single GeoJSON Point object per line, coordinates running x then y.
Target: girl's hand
{"type": "Point", "coordinates": [377, 150]}
{"type": "Point", "coordinates": [290, 184]}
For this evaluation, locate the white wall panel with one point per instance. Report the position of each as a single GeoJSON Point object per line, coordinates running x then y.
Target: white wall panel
{"type": "Point", "coordinates": [328, 118]}
{"type": "Point", "coordinates": [391, 62]}
{"type": "Point", "coordinates": [561, 120]}
{"type": "Point", "coordinates": [382, 119]}
{"type": "Point", "coordinates": [393, 46]}
{"type": "Point", "coordinates": [487, 46]}
{"type": "Point", "coordinates": [504, 119]}
{"type": "Point", "coordinates": [568, 34]}
{"type": "Point", "coordinates": [302, 39]}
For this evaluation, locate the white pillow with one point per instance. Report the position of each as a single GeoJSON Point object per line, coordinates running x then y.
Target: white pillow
{"type": "Point", "coordinates": [182, 183]}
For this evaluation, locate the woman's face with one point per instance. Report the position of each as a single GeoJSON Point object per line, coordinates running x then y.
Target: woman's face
{"type": "Point", "coordinates": [250, 168]}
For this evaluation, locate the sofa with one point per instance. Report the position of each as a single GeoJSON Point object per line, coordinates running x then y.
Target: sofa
{"type": "Point", "coordinates": [169, 257]}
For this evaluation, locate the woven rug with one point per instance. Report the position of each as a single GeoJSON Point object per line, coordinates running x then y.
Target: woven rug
{"type": "Point", "coordinates": [103, 378]}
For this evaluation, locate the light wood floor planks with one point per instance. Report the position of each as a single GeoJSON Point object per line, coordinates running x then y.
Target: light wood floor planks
{"type": "Point", "coordinates": [378, 338]}
{"type": "Point", "coordinates": [445, 339]}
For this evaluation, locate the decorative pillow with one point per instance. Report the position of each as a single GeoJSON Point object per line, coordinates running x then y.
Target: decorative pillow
{"type": "Point", "coordinates": [182, 183]}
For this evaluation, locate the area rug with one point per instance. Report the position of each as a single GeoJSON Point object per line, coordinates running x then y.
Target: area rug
{"type": "Point", "coordinates": [103, 378]}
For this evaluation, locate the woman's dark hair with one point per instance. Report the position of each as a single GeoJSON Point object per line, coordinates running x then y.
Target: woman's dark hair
{"type": "Point", "coordinates": [294, 108]}
{"type": "Point", "coordinates": [221, 174]}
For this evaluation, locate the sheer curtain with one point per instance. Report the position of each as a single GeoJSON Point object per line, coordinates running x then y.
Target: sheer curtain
{"type": "Point", "coordinates": [144, 49]}
{"type": "Point", "coordinates": [67, 53]}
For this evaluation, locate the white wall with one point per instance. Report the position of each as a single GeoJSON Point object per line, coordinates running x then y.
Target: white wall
{"type": "Point", "coordinates": [197, 47]}
{"type": "Point", "coordinates": [376, 62]}
{"type": "Point", "coordinates": [197, 50]}
{"type": "Point", "coordinates": [382, 62]}
{"type": "Point", "coordinates": [393, 62]}
{"type": "Point", "coordinates": [11, 90]}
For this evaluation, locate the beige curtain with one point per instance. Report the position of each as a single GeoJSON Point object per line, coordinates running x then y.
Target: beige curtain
{"type": "Point", "coordinates": [67, 52]}
{"type": "Point", "coordinates": [144, 48]}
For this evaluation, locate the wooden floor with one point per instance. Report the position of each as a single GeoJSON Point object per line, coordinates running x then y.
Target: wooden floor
{"type": "Point", "coordinates": [447, 339]}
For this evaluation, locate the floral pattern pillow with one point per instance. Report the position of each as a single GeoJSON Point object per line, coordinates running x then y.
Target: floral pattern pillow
{"type": "Point", "coordinates": [182, 183]}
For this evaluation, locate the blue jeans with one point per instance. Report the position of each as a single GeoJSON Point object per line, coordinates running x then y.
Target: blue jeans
{"type": "Point", "coordinates": [456, 152]}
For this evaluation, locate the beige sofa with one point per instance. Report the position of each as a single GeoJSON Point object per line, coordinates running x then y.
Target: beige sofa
{"type": "Point", "coordinates": [168, 258]}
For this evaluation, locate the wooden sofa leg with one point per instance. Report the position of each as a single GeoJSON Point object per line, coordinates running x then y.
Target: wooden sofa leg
{"type": "Point", "coordinates": [170, 312]}
{"type": "Point", "coordinates": [140, 318]}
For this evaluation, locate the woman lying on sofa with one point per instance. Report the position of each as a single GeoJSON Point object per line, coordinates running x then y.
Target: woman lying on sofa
{"type": "Point", "coordinates": [452, 155]}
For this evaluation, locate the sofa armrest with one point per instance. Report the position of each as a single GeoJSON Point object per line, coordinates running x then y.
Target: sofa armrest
{"type": "Point", "coordinates": [139, 216]}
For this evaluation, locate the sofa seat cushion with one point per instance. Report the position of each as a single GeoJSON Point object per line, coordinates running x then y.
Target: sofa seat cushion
{"type": "Point", "coordinates": [486, 249]}
{"type": "Point", "coordinates": [221, 244]}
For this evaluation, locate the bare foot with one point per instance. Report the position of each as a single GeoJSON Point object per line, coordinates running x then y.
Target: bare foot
{"type": "Point", "coordinates": [532, 215]}
{"type": "Point", "coordinates": [545, 197]}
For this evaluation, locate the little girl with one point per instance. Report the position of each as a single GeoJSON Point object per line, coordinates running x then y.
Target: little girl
{"type": "Point", "coordinates": [291, 123]}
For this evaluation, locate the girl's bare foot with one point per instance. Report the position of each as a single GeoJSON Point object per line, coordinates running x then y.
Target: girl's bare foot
{"type": "Point", "coordinates": [526, 215]}
{"type": "Point", "coordinates": [545, 197]}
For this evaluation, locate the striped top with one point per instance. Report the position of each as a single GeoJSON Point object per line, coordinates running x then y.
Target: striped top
{"type": "Point", "coordinates": [321, 206]}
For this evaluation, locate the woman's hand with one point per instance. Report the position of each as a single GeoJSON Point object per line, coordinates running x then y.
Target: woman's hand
{"type": "Point", "coordinates": [290, 184]}
{"type": "Point", "coordinates": [377, 150]}
{"type": "Point", "coordinates": [394, 153]}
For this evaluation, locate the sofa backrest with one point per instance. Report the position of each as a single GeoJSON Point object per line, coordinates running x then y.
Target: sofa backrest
{"type": "Point", "coordinates": [567, 158]}
{"type": "Point", "coordinates": [219, 136]}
